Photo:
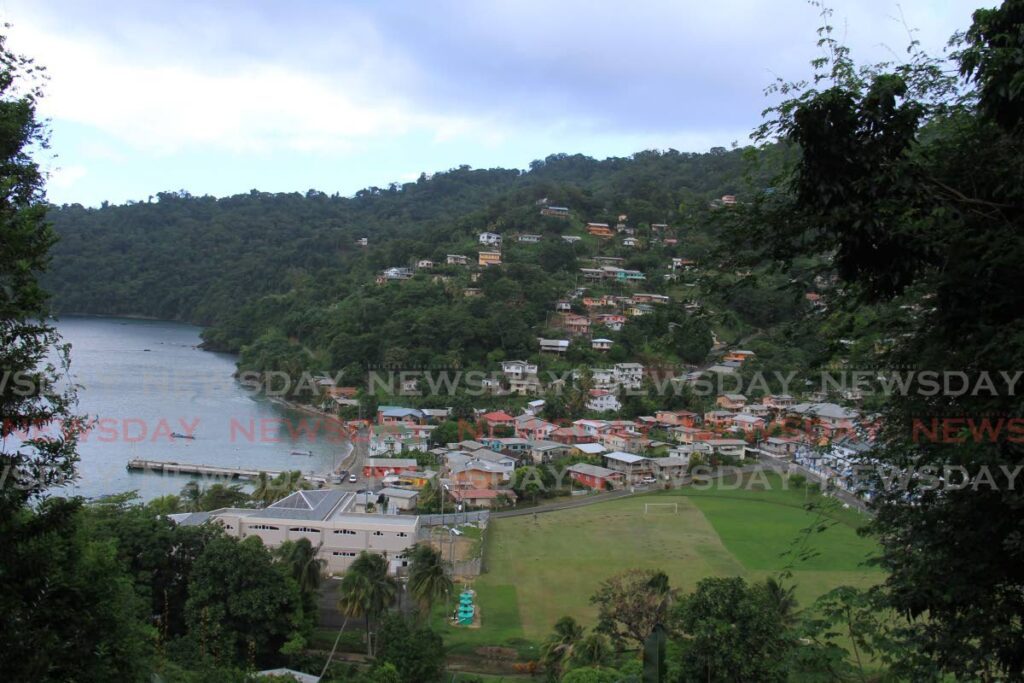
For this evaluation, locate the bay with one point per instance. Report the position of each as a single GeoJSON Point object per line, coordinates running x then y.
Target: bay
{"type": "Point", "coordinates": [143, 379]}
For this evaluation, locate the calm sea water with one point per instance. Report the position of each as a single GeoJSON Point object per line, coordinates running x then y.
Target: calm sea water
{"type": "Point", "coordinates": [145, 379]}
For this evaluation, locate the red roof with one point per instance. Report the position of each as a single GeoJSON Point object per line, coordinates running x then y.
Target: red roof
{"type": "Point", "coordinates": [499, 416]}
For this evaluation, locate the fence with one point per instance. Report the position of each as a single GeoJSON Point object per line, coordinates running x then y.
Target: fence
{"type": "Point", "coordinates": [455, 518]}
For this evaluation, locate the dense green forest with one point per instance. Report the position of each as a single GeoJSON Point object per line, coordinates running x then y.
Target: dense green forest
{"type": "Point", "coordinates": [281, 276]}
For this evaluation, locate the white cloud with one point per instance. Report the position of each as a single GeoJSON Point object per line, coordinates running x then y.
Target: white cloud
{"type": "Point", "coordinates": [257, 108]}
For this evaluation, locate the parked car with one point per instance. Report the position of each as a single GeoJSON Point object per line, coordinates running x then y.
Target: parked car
{"type": "Point", "coordinates": [352, 478]}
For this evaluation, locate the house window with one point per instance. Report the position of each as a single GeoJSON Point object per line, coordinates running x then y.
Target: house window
{"type": "Point", "coordinates": [402, 534]}
{"type": "Point", "coordinates": [343, 553]}
{"type": "Point", "coordinates": [378, 533]}
{"type": "Point", "coordinates": [305, 529]}
{"type": "Point", "coordinates": [346, 532]}
{"type": "Point", "coordinates": [264, 527]}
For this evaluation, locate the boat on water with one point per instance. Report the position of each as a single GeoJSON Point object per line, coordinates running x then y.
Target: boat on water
{"type": "Point", "coordinates": [302, 452]}
{"type": "Point", "coordinates": [178, 435]}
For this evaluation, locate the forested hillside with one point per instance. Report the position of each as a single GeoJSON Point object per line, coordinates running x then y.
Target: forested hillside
{"type": "Point", "coordinates": [282, 276]}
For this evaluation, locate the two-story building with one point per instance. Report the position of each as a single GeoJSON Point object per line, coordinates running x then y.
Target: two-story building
{"type": "Point", "coordinates": [325, 518]}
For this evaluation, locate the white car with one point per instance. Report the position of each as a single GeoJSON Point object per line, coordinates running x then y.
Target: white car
{"type": "Point", "coordinates": [648, 480]}
{"type": "Point", "coordinates": [352, 478]}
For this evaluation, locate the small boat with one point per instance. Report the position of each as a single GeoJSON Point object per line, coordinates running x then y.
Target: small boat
{"type": "Point", "coordinates": [302, 452]}
{"type": "Point", "coordinates": [176, 435]}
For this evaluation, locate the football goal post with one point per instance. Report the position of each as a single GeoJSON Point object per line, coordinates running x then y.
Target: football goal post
{"type": "Point", "coordinates": [661, 508]}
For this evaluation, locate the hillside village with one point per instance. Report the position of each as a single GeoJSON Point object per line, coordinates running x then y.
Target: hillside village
{"type": "Point", "coordinates": [510, 423]}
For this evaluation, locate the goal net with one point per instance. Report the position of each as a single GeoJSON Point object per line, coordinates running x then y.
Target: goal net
{"type": "Point", "coordinates": [661, 508]}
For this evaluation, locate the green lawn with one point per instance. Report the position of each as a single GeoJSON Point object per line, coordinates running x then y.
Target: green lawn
{"type": "Point", "coordinates": [539, 570]}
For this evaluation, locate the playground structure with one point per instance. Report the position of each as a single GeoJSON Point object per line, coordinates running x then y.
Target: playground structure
{"type": "Point", "coordinates": [466, 610]}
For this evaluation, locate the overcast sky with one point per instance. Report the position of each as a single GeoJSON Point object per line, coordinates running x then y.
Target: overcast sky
{"type": "Point", "coordinates": [219, 97]}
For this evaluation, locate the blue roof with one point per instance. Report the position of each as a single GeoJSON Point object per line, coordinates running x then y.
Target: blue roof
{"type": "Point", "coordinates": [398, 411]}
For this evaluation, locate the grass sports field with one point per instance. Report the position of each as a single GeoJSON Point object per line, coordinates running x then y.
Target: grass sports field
{"type": "Point", "coordinates": [541, 569]}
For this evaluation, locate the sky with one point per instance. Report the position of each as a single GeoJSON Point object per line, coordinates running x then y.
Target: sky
{"type": "Point", "coordinates": [220, 97]}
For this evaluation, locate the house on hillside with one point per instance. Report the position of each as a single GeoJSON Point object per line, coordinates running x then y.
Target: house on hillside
{"type": "Point", "coordinates": [629, 242]}
{"type": "Point", "coordinates": [595, 476]}
{"type": "Point", "coordinates": [748, 423]}
{"type": "Point", "coordinates": [576, 325]}
{"type": "Point", "coordinates": [479, 474]}
{"type": "Point", "coordinates": [738, 355]}
{"type": "Point", "coordinates": [528, 239]}
{"type": "Point", "coordinates": [630, 375]}
{"type": "Point", "coordinates": [719, 419]}
{"type": "Point", "coordinates": [675, 418]}
{"type": "Point", "coordinates": [489, 258]}
{"type": "Point", "coordinates": [499, 418]}
{"type": "Point", "coordinates": [382, 467]}
{"type": "Point", "coordinates": [387, 415]}
{"type": "Point", "coordinates": [555, 211]}
{"type": "Point", "coordinates": [633, 467]}
{"type": "Point", "coordinates": [543, 451]}
{"type": "Point", "coordinates": [733, 448]}
{"type": "Point", "coordinates": [731, 401]}
{"type": "Point", "coordinates": [590, 450]}
{"type": "Point", "coordinates": [424, 264]}
{"type": "Point", "coordinates": [456, 260]}
{"type": "Point", "coordinates": [601, 344]}
{"type": "Point", "coordinates": [553, 345]}
{"type": "Point", "coordinates": [490, 239]}
{"type": "Point", "coordinates": [484, 498]}
{"type": "Point", "coordinates": [529, 427]}
{"type": "Point", "coordinates": [602, 400]}
{"type": "Point", "coordinates": [600, 230]}
{"type": "Point", "coordinates": [571, 239]}
{"type": "Point", "coordinates": [780, 446]}
{"type": "Point", "coordinates": [778, 401]}
{"type": "Point", "coordinates": [613, 321]}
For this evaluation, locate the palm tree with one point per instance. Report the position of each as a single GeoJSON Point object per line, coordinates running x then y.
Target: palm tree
{"type": "Point", "coordinates": [428, 580]}
{"type": "Point", "coordinates": [594, 650]}
{"type": "Point", "coordinates": [303, 564]}
{"type": "Point", "coordinates": [191, 496]}
{"type": "Point", "coordinates": [261, 493]}
{"type": "Point", "coordinates": [367, 590]}
{"type": "Point", "coordinates": [559, 646]}
{"type": "Point", "coordinates": [782, 598]}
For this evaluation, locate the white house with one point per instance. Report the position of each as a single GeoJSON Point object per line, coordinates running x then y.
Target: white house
{"type": "Point", "coordinates": [553, 345]}
{"type": "Point", "coordinates": [529, 239]}
{"type": "Point", "coordinates": [629, 375]}
{"type": "Point", "coordinates": [601, 344]}
{"type": "Point", "coordinates": [602, 400]}
{"type": "Point", "coordinates": [492, 239]}
{"type": "Point", "coordinates": [517, 369]}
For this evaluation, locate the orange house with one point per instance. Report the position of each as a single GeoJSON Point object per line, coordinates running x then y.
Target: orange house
{"type": "Point", "coordinates": [499, 418]}
{"type": "Point", "coordinates": [490, 258]}
{"type": "Point", "coordinates": [600, 230]}
{"type": "Point", "coordinates": [676, 418]}
{"type": "Point", "coordinates": [738, 355]}
{"type": "Point", "coordinates": [479, 474]}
